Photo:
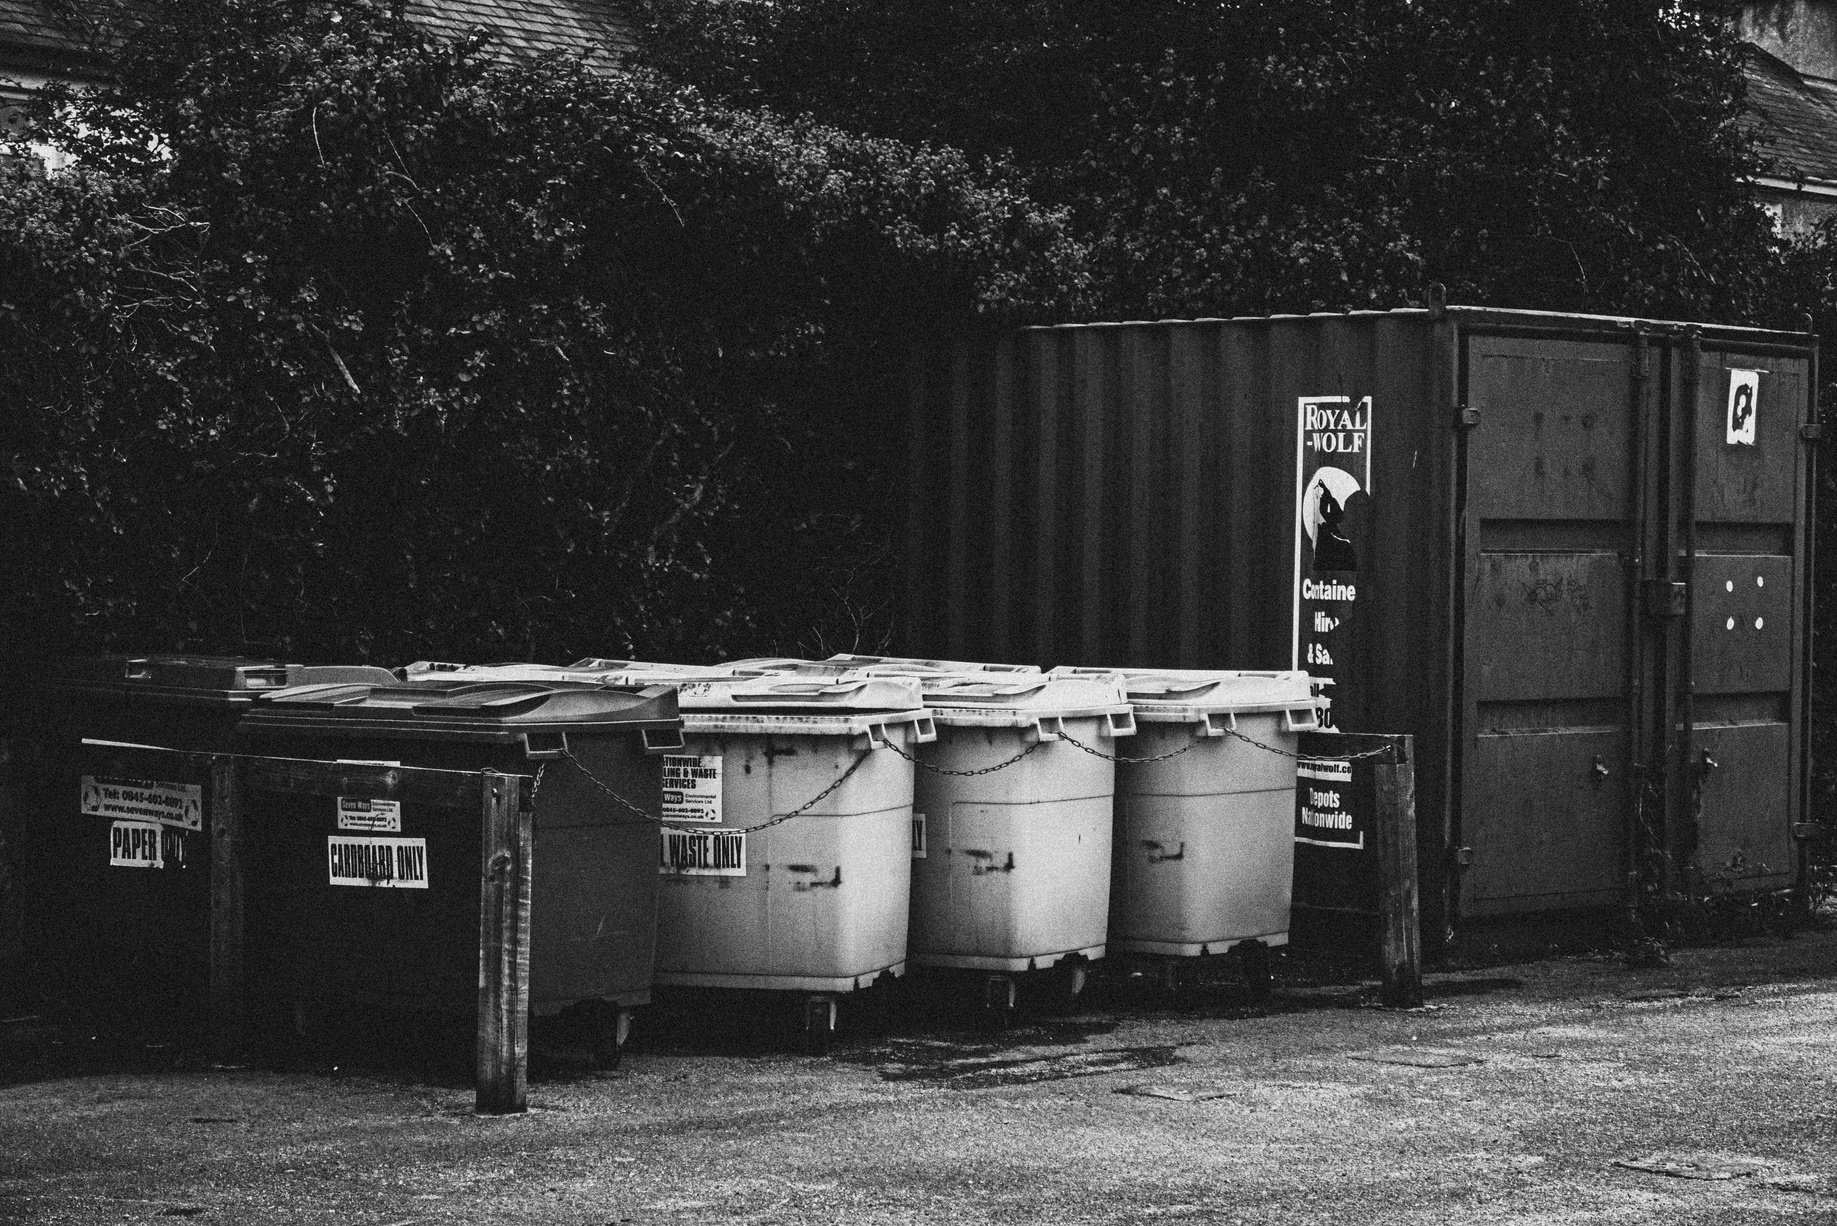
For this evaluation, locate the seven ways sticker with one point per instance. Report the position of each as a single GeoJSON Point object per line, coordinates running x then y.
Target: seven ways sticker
{"type": "Point", "coordinates": [144, 800]}
{"type": "Point", "coordinates": [691, 788]}
{"type": "Point", "coordinates": [397, 863]}
{"type": "Point", "coordinates": [362, 813]}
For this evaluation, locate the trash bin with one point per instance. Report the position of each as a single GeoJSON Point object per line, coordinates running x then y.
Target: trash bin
{"type": "Point", "coordinates": [786, 861]}
{"type": "Point", "coordinates": [403, 943]}
{"type": "Point", "coordinates": [1011, 827]}
{"type": "Point", "coordinates": [1205, 826]}
{"type": "Point", "coordinates": [117, 845]}
{"type": "Point", "coordinates": [942, 666]}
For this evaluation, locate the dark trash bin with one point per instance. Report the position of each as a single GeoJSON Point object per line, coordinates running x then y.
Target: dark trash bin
{"type": "Point", "coordinates": [114, 856]}
{"type": "Point", "coordinates": [367, 912]}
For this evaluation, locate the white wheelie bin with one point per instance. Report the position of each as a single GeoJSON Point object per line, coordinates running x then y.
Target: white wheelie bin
{"type": "Point", "coordinates": [1011, 827]}
{"type": "Point", "coordinates": [1205, 819]}
{"type": "Point", "coordinates": [787, 828]}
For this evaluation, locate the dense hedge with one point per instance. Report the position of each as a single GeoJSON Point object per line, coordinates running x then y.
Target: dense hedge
{"type": "Point", "coordinates": [345, 344]}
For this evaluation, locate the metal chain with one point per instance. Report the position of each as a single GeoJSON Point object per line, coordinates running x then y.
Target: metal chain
{"type": "Point", "coordinates": [1233, 732]}
{"type": "Point", "coordinates": [766, 825]}
{"type": "Point", "coordinates": [981, 770]}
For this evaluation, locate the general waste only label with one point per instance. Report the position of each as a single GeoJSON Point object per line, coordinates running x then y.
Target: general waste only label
{"type": "Point", "coordinates": [704, 853]}
{"type": "Point", "coordinates": [393, 863]}
{"type": "Point", "coordinates": [145, 845]}
{"type": "Point", "coordinates": [362, 813]}
{"type": "Point", "coordinates": [691, 788]}
{"type": "Point", "coordinates": [144, 800]}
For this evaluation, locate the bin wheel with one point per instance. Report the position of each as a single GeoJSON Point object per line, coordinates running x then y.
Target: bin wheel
{"type": "Point", "coordinates": [1254, 957]}
{"type": "Point", "coordinates": [610, 1030]}
{"type": "Point", "coordinates": [999, 997]}
{"type": "Point", "coordinates": [1057, 990]}
{"type": "Point", "coordinates": [819, 1023]}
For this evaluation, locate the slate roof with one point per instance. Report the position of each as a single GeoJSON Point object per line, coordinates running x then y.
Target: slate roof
{"type": "Point", "coordinates": [598, 28]}
{"type": "Point", "coordinates": [76, 33]}
{"type": "Point", "coordinates": [1795, 118]}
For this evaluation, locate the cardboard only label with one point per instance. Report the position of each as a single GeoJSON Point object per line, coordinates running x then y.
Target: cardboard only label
{"type": "Point", "coordinates": [390, 863]}
{"type": "Point", "coordinates": [692, 788]}
{"type": "Point", "coordinates": [145, 845]}
{"type": "Point", "coordinates": [704, 853]}
{"type": "Point", "coordinates": [363, 813]}
{"type": "Point", "coordinates": [918, 835]}
{"type": "Point", "coordinates": [1325, 815]}
{"type": "Point", "coordinates": [144, 800]}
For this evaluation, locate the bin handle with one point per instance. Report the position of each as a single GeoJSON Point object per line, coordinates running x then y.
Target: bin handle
{"type": "Point", "coordinates": [1120, 723]}
{"type": "Point", "coordinates": [549, 745]}
{"type": "Point", "coordinates": [1050, 727]}
{"type": "Point", "coordinates": [1307, 719]}
{"type": "Point", "coordinates": [658, 739]}
{"type": "Point", "coordinates": [1220, 723]}
{"type": "Point", "coordinates": [925, 730]}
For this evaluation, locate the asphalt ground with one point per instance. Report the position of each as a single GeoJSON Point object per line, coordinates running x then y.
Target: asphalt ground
{"type": "Point", "coordinates": [1571, 1090]}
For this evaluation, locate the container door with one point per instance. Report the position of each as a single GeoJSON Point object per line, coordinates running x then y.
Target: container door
{"type": "Point", "coordinates": [1736, 790]}
{"type": "Point", "coordinates": [1552, 527]}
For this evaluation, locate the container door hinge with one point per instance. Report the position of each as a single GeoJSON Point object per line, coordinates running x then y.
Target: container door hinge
{"type": "Point", "coordinates": [1468, 417]}
{"type": "Point", "coordinates": [1463, 857]}
{"type": "Point", "coordinates": [1665, 597]}
{"type": "Point", "coordinates": [1812, 430]}
{"type": "Point", "coordinates": [1808, 830]}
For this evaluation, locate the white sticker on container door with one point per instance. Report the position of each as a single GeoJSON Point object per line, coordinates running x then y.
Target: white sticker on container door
{"type": "Point", "coordinates": [1744, 406]}
{"type": "Point", "coordinates": [144, 800]}
{"type": "Point", "coordinates": [704, 853]}
{"type": "Point", "coordinates": [691, 788]}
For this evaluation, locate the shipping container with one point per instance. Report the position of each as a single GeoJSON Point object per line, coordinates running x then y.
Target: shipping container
{"type": "Point", "coordinates": [1568, 553]}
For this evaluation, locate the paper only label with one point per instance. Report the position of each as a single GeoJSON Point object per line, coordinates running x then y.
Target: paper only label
{"type": "Point", "coordinates": [362, 813]}
{"type": "Point", "coordinates": [391, 863]}
{"type": "Point", "coordinates": [1743, 408]}
{"type": "Point", "coordinates": [145, 845]}
{"type": "Point", "coordinates": [704, 853]}
{"type": "Point", "coordinates": [1323, 806]}
{"type": "Point", "coordinates": [918, 835]}
{"type": "Point", "coordinates": [144, 800]}
{"type": "Point", "coordinates": [691, 788]}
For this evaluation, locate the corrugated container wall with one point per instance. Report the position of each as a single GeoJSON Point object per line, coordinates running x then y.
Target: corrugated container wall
{"type": "Point", "coordinates": [1543, 544]}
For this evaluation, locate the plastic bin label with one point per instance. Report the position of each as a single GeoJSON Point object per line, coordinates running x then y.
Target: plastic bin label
{"type": "Point", "coordinates": [704, 853]}
{"type": "Point", "coordinates": [144, 800]}
{"type": "Point", "coordinates": [691, 788]}
{"type": "Point", "coordinates": [364, 813]}
{"type": "Point", "coordinates": [392, 863]}
{"type": "Point", "coordinates": [918, 835]}
{"type": "Point", "coordinates": [1325, 815]}
{"type": "Point", "coordinates": [145, 845]}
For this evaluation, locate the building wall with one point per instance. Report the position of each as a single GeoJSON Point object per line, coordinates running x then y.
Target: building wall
{"type": "Point", "coordinates": [1803, 33]}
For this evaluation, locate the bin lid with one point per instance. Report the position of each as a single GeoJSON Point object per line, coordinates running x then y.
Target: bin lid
{"type": "Point", "coordinates": [972, 698]}
{"type": "Point", "coordinates": [1182, 694]}
{"type": "Point", "coordinates": [462, 709]}
{"type": "Point", "coordinates": [808, 694]}
{"type": "Point", "coordinates": [234, 681]}
{"type": "Point", "coordinates": [943, 666]}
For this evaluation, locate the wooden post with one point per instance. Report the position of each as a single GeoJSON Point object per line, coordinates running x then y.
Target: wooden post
{"type": "Point", "coordinates": [503, 948]}
{"type": "Point", "coordinates": [228, 997]}
{"type": "Point", "coordinates": [1400, 933]}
